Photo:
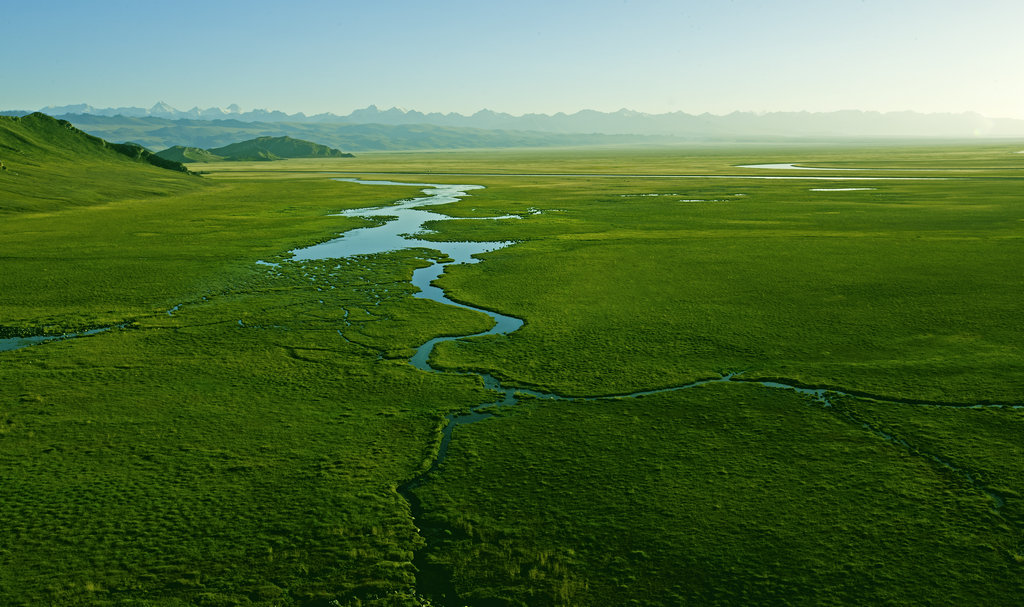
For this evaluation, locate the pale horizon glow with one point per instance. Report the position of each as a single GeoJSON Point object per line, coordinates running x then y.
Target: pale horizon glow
{"type": "Point", "coordinates": [932, 56]}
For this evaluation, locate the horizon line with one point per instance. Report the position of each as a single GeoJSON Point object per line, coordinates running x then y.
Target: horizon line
{"type": "Point", "coordinates": [405, 111]}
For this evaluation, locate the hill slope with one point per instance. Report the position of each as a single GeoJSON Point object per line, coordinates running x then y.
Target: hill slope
{"type": "Point", "coordinates": [48, 163]}
{"type": "Point", "coordinates": [274, 148]}
{"type": "Point", "coordinates": [261, 148]}
{"type": "Point", "coordinates": [184, 153]}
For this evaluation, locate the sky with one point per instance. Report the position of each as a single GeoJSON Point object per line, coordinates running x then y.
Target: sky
{"type": "Point", "coordinates": [528, 56]}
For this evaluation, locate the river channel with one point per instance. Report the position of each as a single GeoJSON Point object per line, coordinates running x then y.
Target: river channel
{"type": "Point", "coordinates": [403, 222]}
{"type": "Point", "coordinates": [401, 226]}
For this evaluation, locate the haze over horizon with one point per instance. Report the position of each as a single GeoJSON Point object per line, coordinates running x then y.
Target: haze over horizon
{"type": "Point", "coordinates": [458, 56]}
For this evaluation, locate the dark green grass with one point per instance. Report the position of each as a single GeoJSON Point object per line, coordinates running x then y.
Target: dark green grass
{"type": "Point", "coordinates": [102, 264]}
{"type": "Point", "coordinates": [242, 451]}
{"type": "Point", "coordinates": [239, 450]}
{"type": "Point", "coordinates": [983, 443]}
{"type": "Point", "coordinates": [721, 495]}
{"type": "Point", "coordinates": [908, 291]}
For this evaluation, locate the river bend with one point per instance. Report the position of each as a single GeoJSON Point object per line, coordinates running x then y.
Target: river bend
{"type": "Point", "coordinates": [403, 221]}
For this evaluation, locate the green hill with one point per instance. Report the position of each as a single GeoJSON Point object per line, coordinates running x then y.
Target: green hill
{"type": "Point", "coordinates": [261, 148]}
{"type": "Point", "coordinates": [181, 153]}
{"type": "Point", "coordinates": [275, 148]}
{"type": "Point", "coordinates": [136, 151]}
{"type": "Point", "coordinates": [47, 163]}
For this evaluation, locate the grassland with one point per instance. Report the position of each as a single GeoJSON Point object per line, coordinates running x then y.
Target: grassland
{"type": "Point", "coordinates": [863, 290]}
{"type": "Point", "coordinates": [906, 291]}
{"type": "Point", "coordinates": [193, 457]}
{"type": "Point", "coordinates": [241, 451]}
{"type": "Point", "coordinates": [238, 450]}
{"type": "Point", "coordinates": [722, 495]}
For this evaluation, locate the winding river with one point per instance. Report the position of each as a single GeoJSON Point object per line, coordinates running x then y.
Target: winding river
{"type": "Point", "coordinates": [399, 227]}
{"type": "Point", "coordinates": [403, 221]}
{"type": "Point", "coordinates": [406, 220]}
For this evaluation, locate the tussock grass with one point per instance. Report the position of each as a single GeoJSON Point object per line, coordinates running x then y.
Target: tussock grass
{"type": "Point", "coordinates": [726, 494]}
{"type": "Point", "coordinates": [241, 451]}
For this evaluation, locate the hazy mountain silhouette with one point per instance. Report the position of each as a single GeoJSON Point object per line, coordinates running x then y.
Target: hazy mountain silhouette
{"type": "Point", "coordinates": [847, 123]}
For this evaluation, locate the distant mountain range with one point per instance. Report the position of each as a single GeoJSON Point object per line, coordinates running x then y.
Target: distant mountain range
{"type": "Point", "coordinates": [849, 123]}
{"type": "Point", "coordinates": [161, 133]}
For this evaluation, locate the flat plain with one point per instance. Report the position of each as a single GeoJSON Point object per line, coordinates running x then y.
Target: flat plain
{"type": "Point", "coordinates": [243, 432]}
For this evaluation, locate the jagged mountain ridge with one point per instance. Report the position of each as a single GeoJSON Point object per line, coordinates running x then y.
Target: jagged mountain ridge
{"type": "Point", "coordinates": [161, 133]}
{"type": "Point", "coordinates": [846, 123]}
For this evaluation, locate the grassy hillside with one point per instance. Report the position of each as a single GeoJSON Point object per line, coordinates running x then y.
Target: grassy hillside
{"type": "Point", "coordinates": [274, 148]}
{"type": "Point", "coordinates": [48, 164]}
{"type": "Point", "coordinates": [261, 148]}
{"type": "Point", "coordinates": [183, 153]}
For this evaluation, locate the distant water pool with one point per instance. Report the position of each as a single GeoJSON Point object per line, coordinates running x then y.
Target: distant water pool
{"type": "Point", "coordinates": [790, 166]}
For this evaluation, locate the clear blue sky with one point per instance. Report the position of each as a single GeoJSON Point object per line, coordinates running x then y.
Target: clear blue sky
{"type": "Point", "coordinates": [654, 56]}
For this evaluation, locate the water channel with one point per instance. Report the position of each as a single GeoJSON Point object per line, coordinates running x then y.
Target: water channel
{"type": "Point", "coordinates": [16, 343]}
{"type": "Point", "coordinates": [400, 226]}
{"type": "Point", "coordinates": [405, 222]}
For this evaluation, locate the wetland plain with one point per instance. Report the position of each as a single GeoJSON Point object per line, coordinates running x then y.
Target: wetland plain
{"type": "Point", "coordinates": [726, 387]}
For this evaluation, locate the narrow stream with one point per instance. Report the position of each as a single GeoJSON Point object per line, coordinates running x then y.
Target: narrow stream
{"type": "Point", "coordinates": [788, 166]}
{"type": "Point", "coordinates": [400, 224]}
{"type": "Point", "coordinates": [406, 220]}
{"type": "Point", "coordinates": [16, 343]}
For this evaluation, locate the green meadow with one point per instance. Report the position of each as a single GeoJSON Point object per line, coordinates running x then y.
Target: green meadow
{"type": "Point", "coordinates": [243, 433]}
